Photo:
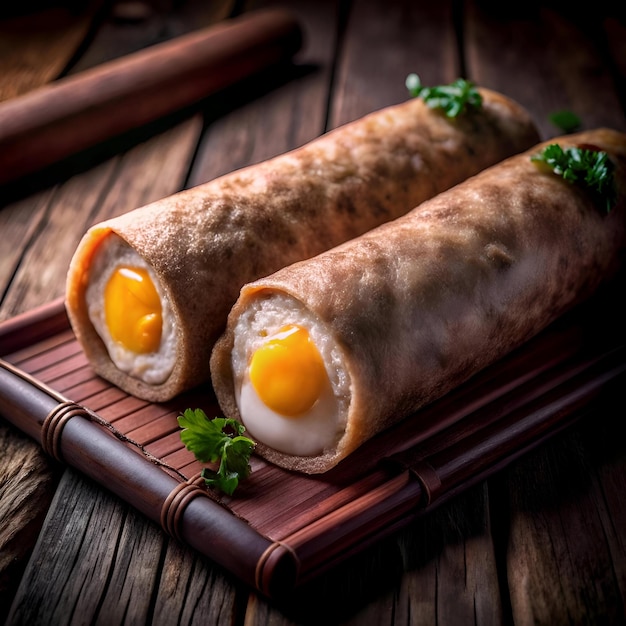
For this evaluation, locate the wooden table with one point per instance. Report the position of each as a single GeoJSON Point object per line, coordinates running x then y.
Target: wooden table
{"type": "Point", "coordinates": [541, 542]}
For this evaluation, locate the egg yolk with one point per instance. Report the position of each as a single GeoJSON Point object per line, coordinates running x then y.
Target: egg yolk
{"type": "Point", "coordinates": [287, 372]}
{"type": "Point", "coordinates": [132, 309]}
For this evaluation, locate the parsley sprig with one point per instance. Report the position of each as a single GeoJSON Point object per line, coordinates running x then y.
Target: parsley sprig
{"type": "Point", "coordinates": [217, 440]}
{"type": "Point", "coordinates": [453, 99]}
{"type": "Point", "coordinates": [590, 168]}
{"type": "Point", "coordinates": [565, 121]}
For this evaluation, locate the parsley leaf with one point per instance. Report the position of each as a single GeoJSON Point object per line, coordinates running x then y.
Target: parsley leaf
{"type": "Point", "coordinates": [566, 121]}
{"type": "Point", "coordinates": [453, 99]}
{"type": "Point", "coordinates": [217, 440]}
{"type": "Point", "coordinates": [590, 168]}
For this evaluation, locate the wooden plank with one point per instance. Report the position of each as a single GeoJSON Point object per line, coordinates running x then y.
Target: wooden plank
{"type": "Point", "coordinates": [27, 485]}
{"type": "Point", "coordinates": [275, 112]}
{"type": "Point", "coordinates": [103, 565]}
{"type": "Point", "coordinates": [98, 560]}
{"type": "Point", "coordinates": [545, 60]}
{"type": "Point", "coordinates": [448, 572]}
{"type": "Point", "coordinates": [192, 590]}
{"type": "Point", "coordinates": [607, 455]}
{"type": "Point", "coordinates": [440, 569]}
{"type": "Point", "coordinates": [569, 564]}
{"type": "Point", "coordinates": [53, 239]}
{"type": "Point", "coordinates": [19, 223]}
{"type": "Point", "coordinates": [384, 42]}
{"type": "Point", "coordinates": [48, 239]}
{"type": "Point", "coordinates": [37, 46]}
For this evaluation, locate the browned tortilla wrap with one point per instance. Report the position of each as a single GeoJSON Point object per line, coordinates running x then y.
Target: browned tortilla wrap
{"type": "Point", "coordinates": [420, 304]}
{"type": "Point", "coordinates": [206, 242]}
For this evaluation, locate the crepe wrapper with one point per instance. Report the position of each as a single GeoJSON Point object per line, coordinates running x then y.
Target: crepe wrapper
{"type": "Point", "coordinates": [206, 242]}
{"type": "Point", "coordinates": [419, 305]}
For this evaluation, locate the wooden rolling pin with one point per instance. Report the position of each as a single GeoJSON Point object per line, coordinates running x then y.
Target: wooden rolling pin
{"type": "Point", "coordinates": [77, 112]}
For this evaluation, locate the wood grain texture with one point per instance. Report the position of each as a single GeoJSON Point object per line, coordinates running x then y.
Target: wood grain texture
{"type": "Point", "coordinates": [541, 543]}
{"type": "Point", "coordinates": [36, 47]}
{"type": "Point", "coordinates": [275, 112]}
{"type": "Point", "coordinates": [563, 529]}
{"type": "Point", "coordinates": [52, 228]}
{"type": "Point", "coordinates": [192, 590]}
{"type": "Point", "coordinates": [450, 563]}
{"type": "Point", "coordinates": [545, 60]}
{"type": "Point", "coordinates": [58, 121]}
{"type": "Point", "coordinates": [91, 526]}
{"type": "Point", "coordinates": [27, 483]}
{"type": "Point", "coordinates": [383, 42]}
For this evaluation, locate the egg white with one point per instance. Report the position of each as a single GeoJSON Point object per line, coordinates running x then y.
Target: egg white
{"type": "Point", "coordinates": [321, 426]}
{"type": "Point", "coordinates": [153, 367]}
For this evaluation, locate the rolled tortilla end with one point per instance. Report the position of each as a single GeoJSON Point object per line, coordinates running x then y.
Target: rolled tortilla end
{"type": "Point", "coordinates": [410, 310]}
{"type": "Point", "coordinates": [148, 292]}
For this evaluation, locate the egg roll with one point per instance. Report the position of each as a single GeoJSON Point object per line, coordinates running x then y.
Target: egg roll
{"type": "Point", "coordinates": [322, 355]}
{"type": "Point", "coordinates": [148, 292]}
